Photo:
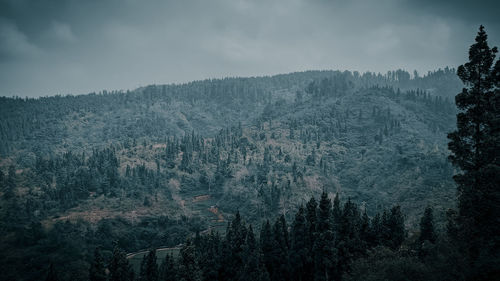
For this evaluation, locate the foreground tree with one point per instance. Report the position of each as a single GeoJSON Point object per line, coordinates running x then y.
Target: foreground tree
{"type": "Point", "coordinates": [52, 274]}
{"type": "Point", "coordinates": [119, 268]}
{"type": "Point", "coordinates": [188, 267]}
{"type": "Point", "coordinates": [323, 249]}
{"type": "Point", "coordinates": [475, 147]}
{"type": "Point", "coordinates": [299, 253]}
{"type": "Point", "coordinates": [167, 270]}
{"type": "Point", "coordinates": [427, 232]}
{"type": "Point", "coordinates": [149, 267]}
{"type": "Point", "coordinates": [97, 270]}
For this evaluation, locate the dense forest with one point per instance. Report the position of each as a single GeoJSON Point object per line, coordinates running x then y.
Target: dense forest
{"type": "Point", "coordinates": [317, 175]}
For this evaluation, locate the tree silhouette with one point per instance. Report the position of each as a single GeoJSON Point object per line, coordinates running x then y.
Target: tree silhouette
{"type": "Point", "coordinates": [475, 147]}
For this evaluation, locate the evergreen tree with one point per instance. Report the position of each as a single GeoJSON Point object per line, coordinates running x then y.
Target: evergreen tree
{"type": "Point", "coordinates": [324, 252]}
{"type": "Point", "coordinates": [349, 244]}
{"type": "Point", "coordinates": [300, 259]}
{"type": "Point", "coordinates": [311, 220]}
{"type": "Point", "coordinates": [234, 242]}
{"type": "Point", "coordinates": [254, 269]}
{"type": "Point", "coordinates": [395, 226]}
{"type": "Point", "coordinates": [427, 232]}
{"type": "Point", "coordinates": [365, 231]}
{"type": "Point", "coordinates": [281, 250]}
{"type": "Point", "coordinates": [167, 270]}
{"type": "Point", "coordinates": [119, 267]}
{"type": "Point", "coordinates": [337, 212]}
{"type": "Point", "coordinates": [375, 231]}
{"type": "Point", "coordinates": [475, 147]}
{"type": "Point", "coordinates": [267, 245]}
{"type": "Point", "coordinates": [149, 267]}
{"type": "Point", "coordinates": [188, 267]}
{"type": "Point", "coordinates": [10, 184]}
{"type": "Point", "coordinates": [97, 270]}
{"type": "Point", "coordinates": [52, 274]}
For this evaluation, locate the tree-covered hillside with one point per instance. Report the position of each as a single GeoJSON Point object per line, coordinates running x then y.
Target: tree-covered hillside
{"type": "Point", "coordinates": [378, 139]}
{"type": "Point", "coordinates": [175, 159]}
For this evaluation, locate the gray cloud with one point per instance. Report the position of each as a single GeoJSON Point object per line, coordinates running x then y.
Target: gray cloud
{"type": "Point", "coordinates": [14, 44]}
{"type": "Point", "coordinates": [70, 46]}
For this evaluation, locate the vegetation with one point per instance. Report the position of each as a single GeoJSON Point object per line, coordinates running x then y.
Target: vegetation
{"type": "Point", "coordinates": [158, 171]}
{"type": "Point", "coordinates": [475, 147]}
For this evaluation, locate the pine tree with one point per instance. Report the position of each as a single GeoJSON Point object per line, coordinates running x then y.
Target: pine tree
{"type": "Point", "coordinates": [365, 231]}
{"type": "Point", "coordinates": [167, 270]}
{"type": "Point", "coordinates": [149, 267]}
{"type": "Point", "coordinates": [349, 244]}
{"type": "Point", "coordinates": [311, 220]}
{"type": "Point", "coordinates": [375, 231]}
{"type": "Point", "coordinates": [267, 246]}
{"type": "Point", "coordinates": [10, 184]}
{"type": "Point", "coordinates": [299, 254]}
{"type": "Point", "coordinates": [119, 268]}
{"type": "Point", "coordinates": [188, 267]}
{"type": "Point", "coordinates": [52, 274]}
{"type": "Point", "coordinates": [209, 256]}
{"type": "Point", "coordinates": [427, 232]}
{"type": "Point", "coordinates": [324, 252]}
{"type": "Point", "coordinates": [97, 271]}
{"type": "Point", "coordinates": [395, 226]}
{"type": "Point", "coordinates": [254, 269]}
{"type": "Point", "coordinates": [281, 250]}
{"type": "Point", "coordinates": [475, 147]}
{"type": "Point", "coordinates": [337, 212]}
{"type": "Point", "coordinates": [235, 240]}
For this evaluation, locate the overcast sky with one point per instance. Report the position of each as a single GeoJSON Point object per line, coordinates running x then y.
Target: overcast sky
{"type": "Point", "coordinates": [69, 46]}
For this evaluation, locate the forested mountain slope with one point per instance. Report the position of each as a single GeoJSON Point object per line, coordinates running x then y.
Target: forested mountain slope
{"type": "Point", "coordinates": [369, 136]}
{"type": "Point", "coordinates": [197, 152]}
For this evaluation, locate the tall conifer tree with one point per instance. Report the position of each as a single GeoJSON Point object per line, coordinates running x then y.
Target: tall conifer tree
{"type": "Point", "coordinates": [475, 147]}
{"type": "Point", "coordinates": [97, 270]}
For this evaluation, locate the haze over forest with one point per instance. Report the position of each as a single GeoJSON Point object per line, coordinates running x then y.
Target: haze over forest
{"type": "Point", "coordinates": [249, 140]}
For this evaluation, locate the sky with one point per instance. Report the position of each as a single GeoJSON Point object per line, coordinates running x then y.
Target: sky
{"type": "Point", "coordinates": [50, 47]}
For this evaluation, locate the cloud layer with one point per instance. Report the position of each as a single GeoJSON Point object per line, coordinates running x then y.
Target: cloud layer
{"type": "Point", "coordinates": [69, 46]}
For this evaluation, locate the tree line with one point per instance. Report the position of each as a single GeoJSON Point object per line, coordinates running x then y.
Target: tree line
{"type": "Point", "coordinates": [320, 244]}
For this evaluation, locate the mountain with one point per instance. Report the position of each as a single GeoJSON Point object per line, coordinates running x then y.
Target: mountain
{"type": "Point", "coordinates": [182, 158]}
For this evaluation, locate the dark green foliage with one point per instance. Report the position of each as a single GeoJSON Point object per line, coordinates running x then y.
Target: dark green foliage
{"type": "Point", "coordinates": [311, 221]}
{"type": "Point", "coordinates": [10, 183]}
{"type": "Point", "coordinates": [383, 264]}
{"type": "Point", "coordinates": [268, 248]}
{"type": "Point", "coordinates": [323, 249]}
{"type": "Point", "coordinates": [394, 224]}
{"type": "Point", "coordinates": [263, 145]}
{"type": "Point", "coordinates": [188, 266]}
{"type": "Point", "coordinates": [234, 245]}
{"type": "Point", "coordinates": [300, 256]}
{"type": "Point", "coordinates": [209, 254]}
{"type": "Point", "coordinates": [280, 252]}
{"type": "Point", "coordinates": [427, 230]}
{"type": "Point", "coordinates": [97, 270]}
{"type": "Point", "coordinates": [254, 268]}
{"type": "Point", "coordinates": [167, 270]}
{"type": "Point", "coordinates": [475, 147]}
{"type": "Point", "coordinates": [149, 267]}
{"type": "Point", "coordinates": [119, 268]}
{"type": "Point", "coordinates": [243, 142]}
{"type": "Point", "coordinates": [349, 241]}
{"type": "Point", "coordinates": [52, 274]}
